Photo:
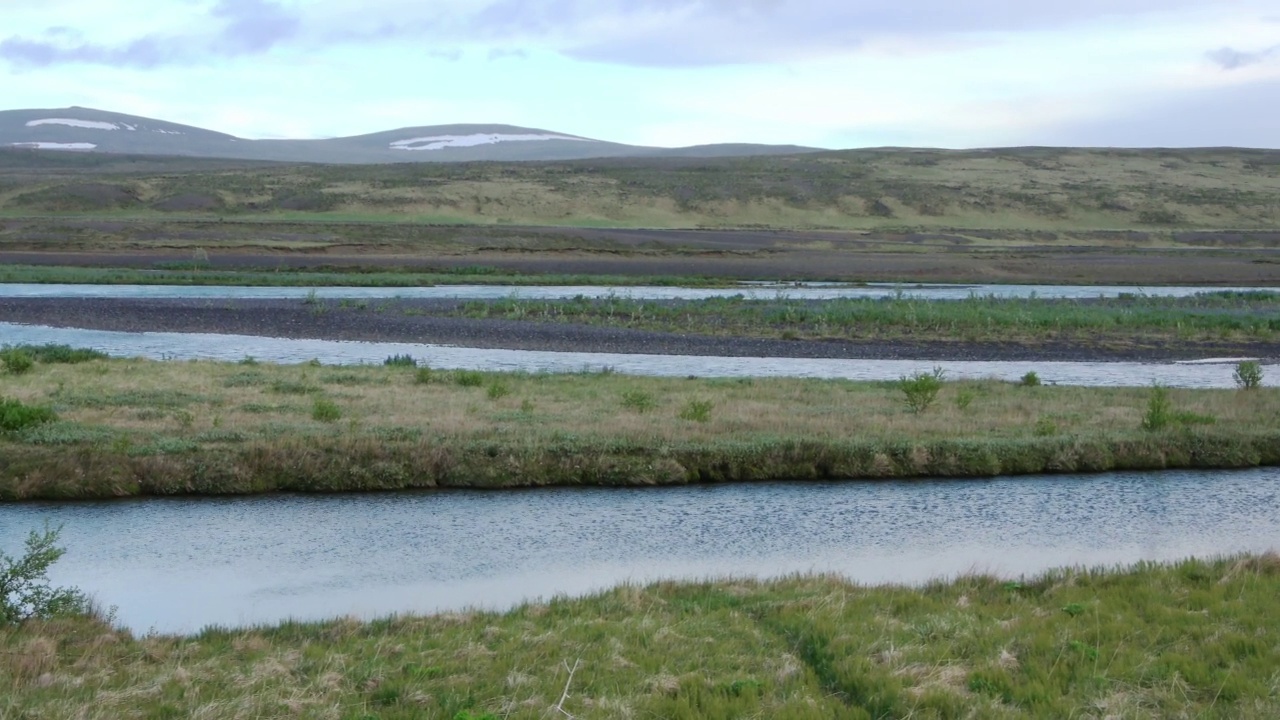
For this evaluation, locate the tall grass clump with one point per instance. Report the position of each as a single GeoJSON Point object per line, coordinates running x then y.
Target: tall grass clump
{"type": "Point", "coordinates": [1248, 375]}
{"type": "Point", "coordinates": [638, 401]}
{"type": "Point", "coordinates": [16, 416]}
{"type": "Point", "coordinates": [325, 410]}
{"type": "Point", "coordinates": [498, 390]}
{"type": "Point", "coordinates": [424, 376]}
{"type": "Point", "coordinates": [921, 389]}
{"type": "Point", "coordinates": [25, 592]}
{"type": "Point", "coordinates": [16, 361]}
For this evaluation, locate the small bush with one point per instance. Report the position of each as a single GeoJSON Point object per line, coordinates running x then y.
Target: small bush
{"type": "Point", "coordinates": [498, 390]}
{"type": "Point", "coordinates": [424, 376]}
{"type": "Point", "coordinates": [248, 360]}
{"type": "Point", "coordinates": [325, 410]}
{"type": "Point", "coordinates": [638, 400]}
{"type": "Point", "coordinates": [697, 411]}
{"type": "Point", "coordinates": [921, 389]}
{"type": "Point", "coordinates": [25, 593]}
{"type": "Point", "coordinates": [15, 416]}
{"type": "Point", "coordinates": [16, 361]}
{"type": "Point", "coordinates": [469, 378]}
{"type": "Point", "coordinates": [289, 387]}
{"type": "Point", "coordinates": [400, 361]}
{"type": "Point", "coordinates": [1248, 375]}
{"type": "Point", "coordinates": [1159, 410]}
{"type": "Point", "coordinates": [1045, 427]}
{"type": "Point", "coordinates": [964, 399]}
{"type": "Point", "coordinates": [1031, 379]}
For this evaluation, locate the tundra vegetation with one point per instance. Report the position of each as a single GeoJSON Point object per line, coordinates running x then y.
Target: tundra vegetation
{"type": "Point", "coordinates": [121, 427]}
{"type": "Point", "coordinates": [1190, 639]}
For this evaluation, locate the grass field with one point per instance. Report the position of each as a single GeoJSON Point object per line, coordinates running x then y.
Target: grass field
{"type": "Point", "coordinates": [135, 427]}
{"type": "Point", "coordinates": [1195, 639]}
{"type": "Point", "coordinates": [1224, 316]}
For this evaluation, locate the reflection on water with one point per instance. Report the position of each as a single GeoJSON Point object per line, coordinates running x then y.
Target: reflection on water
{"type": "Point", "coordinates": [812, 291]}
{"type": "Point", "coordinates": [179, 564]}
{"type": "Point", "coordinates": [183, 346]}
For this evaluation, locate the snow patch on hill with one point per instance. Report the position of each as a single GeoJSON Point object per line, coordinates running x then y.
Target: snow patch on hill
{"type": "Point", "coordinates": [55, 146]}
{"type": "Point", "coordinates": [440, 142]}
{"type": "Point", "coordinates": [71, 122]}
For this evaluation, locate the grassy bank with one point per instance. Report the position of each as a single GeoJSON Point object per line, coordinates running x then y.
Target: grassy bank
{"type": "Point", "coordinates": [134, 427]}
{"type": "Point", "coordinates": [1223, 316]}
{"type": "Point", "coordinates": [1192, 639]}
{"type": "Point", "coordinates": [197, 273]}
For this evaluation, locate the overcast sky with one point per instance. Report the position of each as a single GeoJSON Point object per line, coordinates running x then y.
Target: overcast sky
{"type": "Point", "coordinates": [830, 73]}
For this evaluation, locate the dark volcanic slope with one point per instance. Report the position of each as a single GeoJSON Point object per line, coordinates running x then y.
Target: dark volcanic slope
{"type": "Point", "coordinates": [413, 321]}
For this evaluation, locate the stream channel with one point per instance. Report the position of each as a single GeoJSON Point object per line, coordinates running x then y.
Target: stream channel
{"type": "Point", "coordinates": [176, 565]}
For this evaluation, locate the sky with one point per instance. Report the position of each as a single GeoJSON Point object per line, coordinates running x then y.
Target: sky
{"type": "Point", "coordinates": [825, 73]}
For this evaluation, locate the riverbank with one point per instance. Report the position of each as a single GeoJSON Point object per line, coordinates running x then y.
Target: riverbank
{"type": "Point", "coordinates": [135, 427]}
{"type": "Point", "coordinates": [987, 330]}
{"type": "Point", "coordinates": [1187, 639]}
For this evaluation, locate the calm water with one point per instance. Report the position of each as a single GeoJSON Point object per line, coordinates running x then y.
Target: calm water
{"type": "Point", "coordinates": [766, 291]}
{"type": "Point", "coordinates": [180, 564]}
{"type": "Point", "coordinates": [185, 346]}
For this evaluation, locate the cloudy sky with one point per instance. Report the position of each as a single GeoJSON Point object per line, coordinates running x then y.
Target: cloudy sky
{"type": "Point", "coordinates": [830, 73]}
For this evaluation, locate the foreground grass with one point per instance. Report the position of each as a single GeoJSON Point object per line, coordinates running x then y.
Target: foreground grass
{"type": "Point", "coordinates": [136, 427]}
{"type": "Point", "coordinates": [1192, 639]}
{"type": "Point", "coordinates": [1223, 316]}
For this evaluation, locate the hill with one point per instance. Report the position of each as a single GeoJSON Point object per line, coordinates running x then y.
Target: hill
{"type": "Point", "coordinates": [88, 130]}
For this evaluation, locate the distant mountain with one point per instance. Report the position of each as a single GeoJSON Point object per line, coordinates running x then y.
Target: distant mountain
{"type": "Point", "coordinates": [86, 130]}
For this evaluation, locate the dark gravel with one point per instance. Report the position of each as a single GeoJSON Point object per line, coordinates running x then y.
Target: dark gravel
{"type": "Point", "coordinates": [421, 321]}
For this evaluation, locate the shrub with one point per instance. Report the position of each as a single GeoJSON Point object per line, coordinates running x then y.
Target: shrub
{"type": "Point", "coordinates": [921, 389]}
{"type": "Point", "coordinates": [1045, 427]}
{"type": "Point", "coordinates": [1159, 410]}
{"type": "Point", "coordinates": [325, 410]}
{"type": "Point", "coordinates": [964, 399]}
{"type": "Point", "coordinates": [1031, 379]}
{"type": "Point", "coordinates": [498, 390]}
{"type": "Point", "coordinates": [400, 361]}
{"type": "Point", "coordinates": [1248, 375]}
{"type": "Point", "coordinates": [25, 592]}
{"type": "Point", "coordinates": [424, 376]}
{"type": "Point", "coordinates": [469, 378]}
{"type": "Point", "coordinates": [16, 361]}
{"type": "Point", "coordinates": [638, 400]}
{"type": "Point", "coordinates": [53, 353]}
{"type": "Point", "coordinates": [697, 411]}
{"type": "Point", "coordinates": [15, 416]}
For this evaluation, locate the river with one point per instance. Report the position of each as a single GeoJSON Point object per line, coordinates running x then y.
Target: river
{"type": "Point", "coordinates": [176, 565]}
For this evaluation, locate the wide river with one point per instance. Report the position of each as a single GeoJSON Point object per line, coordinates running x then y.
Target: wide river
{"type": "Point", "coordinates": [175, 565]}
{"type": "Point", "coordinates": [195, 346]}
{"type": "Point", "coordinates": [763, 291]}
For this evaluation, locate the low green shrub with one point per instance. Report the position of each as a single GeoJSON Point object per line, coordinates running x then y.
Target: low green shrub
{"type": "Point", "coordinates": [1031, 379]}
{"type": "Point", "coordinates": [16, 361]}
{"type": "Point", "coordinates": [964, 399]}
{"type": "Point", "coordinates": [400, 361]}
{"type": "Point", "coordinates": [56, 354]}
{"type": "Point", "coordinates": [921, 389]}
{"type": "Point", "coordinates": [16, 416]}
{"type": "Point", "coordinates": [25, 592]}
{"type": "Point", "coordinates": [424, 376]}
{"type": "Point", "coordinates": [1159, 410]}
{"type": "Point", "coordinates": [638, 400]}
{"type": "Point", "coordinates": [1248, 375]}
{"type": "Point", "coordinates": [469, 378]}
{"type": "Point", "coordinates": [498, 390]}
{"type": "Point", "coordinates": [325, 410]}
{"type": "Point", "coordinates": [1045, 427]}
{"type": "Point", "coordinates": [697, 411]}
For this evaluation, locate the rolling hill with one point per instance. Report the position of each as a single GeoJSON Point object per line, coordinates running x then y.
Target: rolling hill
{"type": "Point", "coordinates": [88, 130]}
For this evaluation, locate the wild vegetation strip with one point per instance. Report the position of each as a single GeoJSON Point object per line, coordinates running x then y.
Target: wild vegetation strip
{"type": "Point", "coordinates": [1221, 316]}
{"type": "Point", "coordinates": [1191, 639]}
{"type": "Point", "coordinates": [110, 428]}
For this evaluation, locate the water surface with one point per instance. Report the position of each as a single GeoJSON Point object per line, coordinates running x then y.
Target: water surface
{"type": "Point", "coordinates": [192, 346]}
{"type": "Point", "coordinates": [179, 564]}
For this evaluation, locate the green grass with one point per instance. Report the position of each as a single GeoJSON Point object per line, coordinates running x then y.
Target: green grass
{"type": "Point", "coordinates": [1190, 639]}
{"type": "Point", "coordinates": [135, 427]}
{"type": "Point", "coordinates": [1210, 316]}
